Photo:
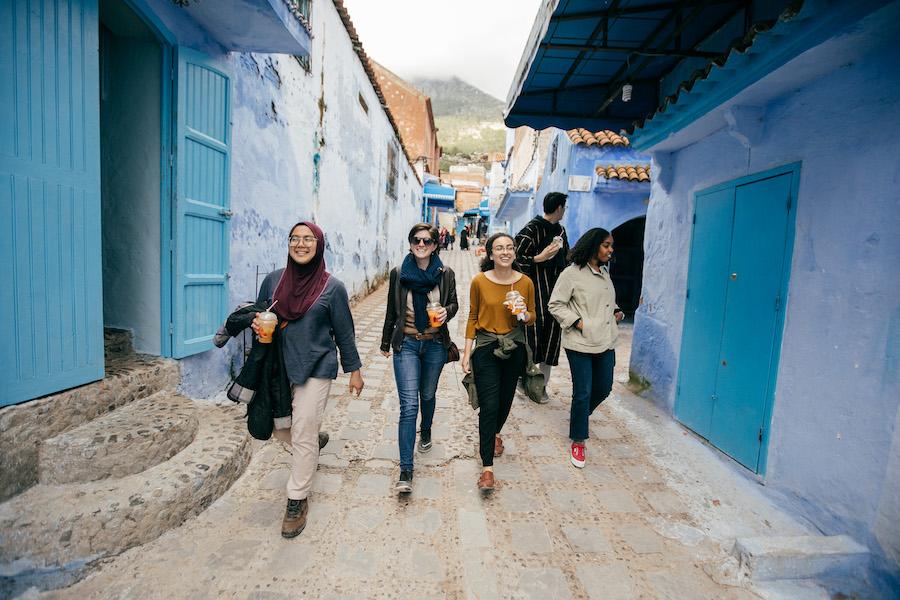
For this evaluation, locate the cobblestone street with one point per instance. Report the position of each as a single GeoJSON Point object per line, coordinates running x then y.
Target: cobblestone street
{"type": "Point", "coordinates": [619, 528]}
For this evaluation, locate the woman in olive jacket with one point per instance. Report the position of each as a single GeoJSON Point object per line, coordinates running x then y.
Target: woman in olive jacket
{"type": "Point", "coordinates": [419, 342]}
{"type": "Point", "coordinates": [583, 301]}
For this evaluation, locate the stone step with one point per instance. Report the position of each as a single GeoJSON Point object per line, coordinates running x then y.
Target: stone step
{"type": "Point", "coordinates": [800, 557]}
{"type": "Point", "coordinates": [51, 526]}
{"type": "Point", "coordinates": [126, 441]}
{"type": "Point", "coordinates": [24, 426]}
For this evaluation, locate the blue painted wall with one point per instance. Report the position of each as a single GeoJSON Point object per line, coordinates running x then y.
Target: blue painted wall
{"type": "Point", "coordinates": [834, 448]}
{"type": "Point", "coordinates": [292, 162]}
{"type": "Point", "coordinates": [609, 203]}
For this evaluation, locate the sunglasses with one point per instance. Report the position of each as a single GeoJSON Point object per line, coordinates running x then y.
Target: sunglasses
{"type": "Point", "coordinates": [423, 241]}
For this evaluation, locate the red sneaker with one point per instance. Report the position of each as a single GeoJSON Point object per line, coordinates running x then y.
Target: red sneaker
{"type": "Point", "coordinates": [578, 454]}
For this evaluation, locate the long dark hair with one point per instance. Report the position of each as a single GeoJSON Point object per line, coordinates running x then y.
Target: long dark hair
{"type": "Point", "coordinates": [487, 263]}
{"type": "Point", "coordinates": [587, 246]}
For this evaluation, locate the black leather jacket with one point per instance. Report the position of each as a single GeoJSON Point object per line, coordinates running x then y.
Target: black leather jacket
{"type": "Point", "coordinates": [395, 315]}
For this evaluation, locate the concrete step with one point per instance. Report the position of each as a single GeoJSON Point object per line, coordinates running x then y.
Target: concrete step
{"type": "Point", "coordinates": [57, 526]}
{"type": "Point", "coordinates": [24, 426]}
{"type": "Point", "coordinates": [800, 557]}
{"type": "Point", "coordinates": [126, 441]}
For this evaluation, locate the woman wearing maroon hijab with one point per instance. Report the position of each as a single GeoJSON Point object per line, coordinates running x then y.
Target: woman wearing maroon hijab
{"type": "Point", "coordinates": [314, 313]}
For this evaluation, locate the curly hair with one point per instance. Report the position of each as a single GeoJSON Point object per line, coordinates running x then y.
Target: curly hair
{"type": "Point", "coordinates": [487, 263]}
{"type": "Point", "coordinates": [587, 246]}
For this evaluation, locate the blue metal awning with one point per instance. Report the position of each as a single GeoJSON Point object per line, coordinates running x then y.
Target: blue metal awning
{"type": "Point", "coordinates": [485, 208]}
{"type": "Point", "coordinates": [437, 194]}
{"type": "Point", "coordinates": [579, 59]}
{"type": "Point", "coordinates": [512, 205]}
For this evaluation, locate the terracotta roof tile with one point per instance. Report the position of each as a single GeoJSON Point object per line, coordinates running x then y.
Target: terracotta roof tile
{"type": "Point", "coordinates": [598, 138]}
{"type": "Point", "coordinates": [624, 172]}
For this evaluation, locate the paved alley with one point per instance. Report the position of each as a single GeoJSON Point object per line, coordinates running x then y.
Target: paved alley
{"type": "Point", "coordinates": [620, 528]}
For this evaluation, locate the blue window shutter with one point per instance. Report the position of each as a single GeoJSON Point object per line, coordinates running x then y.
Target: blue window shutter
{"type": "Point", "coordinates": [203, 145]}
{"type": "Point", "coordinates": [50, 266]}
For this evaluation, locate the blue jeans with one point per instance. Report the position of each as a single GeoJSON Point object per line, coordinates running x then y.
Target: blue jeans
{"type": "Point", "coordinates": [592, 380]}
{"type": "Point", "coordinates": [417, 368]}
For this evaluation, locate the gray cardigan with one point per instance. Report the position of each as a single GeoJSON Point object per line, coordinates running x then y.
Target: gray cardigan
{"type": "Point", "coordinates": [310, 343]}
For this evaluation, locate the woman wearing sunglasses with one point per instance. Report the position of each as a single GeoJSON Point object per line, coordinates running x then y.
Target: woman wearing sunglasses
{"type": "Point", "coordinates": [421, 299]}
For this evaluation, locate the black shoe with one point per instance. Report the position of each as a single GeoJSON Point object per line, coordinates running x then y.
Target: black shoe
{"type": "Point", "coordinates": [404, 484]}
{"type": "Point", "coordinates": [323, 439]}
{"type": "Point", "coordinates": [424, 441]}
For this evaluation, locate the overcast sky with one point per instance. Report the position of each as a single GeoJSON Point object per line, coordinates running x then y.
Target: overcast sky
{"type": "Point", "coordinates": [479, 41]}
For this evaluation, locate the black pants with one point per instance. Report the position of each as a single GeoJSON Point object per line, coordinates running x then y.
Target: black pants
{"type": "Point", "coordinates": [495, 381]}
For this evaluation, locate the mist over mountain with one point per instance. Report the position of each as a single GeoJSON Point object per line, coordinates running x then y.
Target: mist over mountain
{"type": "Point", "coordinates": [469, 121]}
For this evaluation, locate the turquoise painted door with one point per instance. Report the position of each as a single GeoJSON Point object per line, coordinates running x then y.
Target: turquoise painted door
{"type": "Point", "coordinates": [751, 310]}
{"type": "Point", "coordinates": [732, 326]}
{"type": "Point", "coordinates": [50, 264]}
{"type": "Point", "coordinates": [203, 137]}
{"type": "Point", "coordinates": [704, 308]}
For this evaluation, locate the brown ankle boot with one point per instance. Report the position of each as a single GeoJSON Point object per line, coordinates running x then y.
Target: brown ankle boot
{"type": "Point", "coordinates": [294, 518]}
{"type": "Point", "coordinates": [486, 481]}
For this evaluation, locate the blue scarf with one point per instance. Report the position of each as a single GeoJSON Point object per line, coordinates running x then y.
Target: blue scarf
{"type": "Point", "coordinates": [420, 282]}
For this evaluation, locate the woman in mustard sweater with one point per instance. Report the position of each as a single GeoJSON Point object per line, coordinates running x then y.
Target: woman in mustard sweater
{"type": "Point", "coordinates": [501, 300]}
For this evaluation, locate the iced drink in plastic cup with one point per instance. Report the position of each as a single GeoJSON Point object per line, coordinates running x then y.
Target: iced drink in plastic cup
{"type": "Point", "coordinates": [433, 308]}
{"type": "Point", "coordinates": [512, 297]}
{"type": "Point", "coordinates": [267, 323]}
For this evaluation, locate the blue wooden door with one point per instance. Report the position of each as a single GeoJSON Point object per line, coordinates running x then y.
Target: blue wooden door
{"type": "Point", "coordinates": [749, 330]}
{"type": "Point", "coordinates": [704, 308]}
{"type": "Point", "coordinates": [50, 265]}
{"type": "Point", "coordinates": [203, 137]}
{"type": "Point", "coordinates": [732, 325]}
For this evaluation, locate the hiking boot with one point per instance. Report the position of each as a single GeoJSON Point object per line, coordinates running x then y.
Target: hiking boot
{"type": "Point", "coordinates": [578, 455]}
{"type": "Point", "coordinates": [486, 481]}
{"type": "Point", "coordinates": [294, 518]}
{"type": "Point", "coordinates": [424, 441]}
{"type": "Point", "coordinates": [323, 439]}
{"type": "Point", "coordinates": [404, 484]}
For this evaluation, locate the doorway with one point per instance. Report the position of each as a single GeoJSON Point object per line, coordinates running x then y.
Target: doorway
{"type": "Point", "coordinates": [132, 176]}
{"type": "Point", "coordinates": [737, 284]}
{"type": "Point", "coordinates": [627, 266]}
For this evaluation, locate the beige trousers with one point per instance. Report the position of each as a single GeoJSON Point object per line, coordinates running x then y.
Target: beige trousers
{"type": "Point", "coordinates": [308, 408]}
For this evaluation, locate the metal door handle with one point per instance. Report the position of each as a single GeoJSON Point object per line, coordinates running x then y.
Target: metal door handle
{"type": "Point", "coordinates": [734, 276]}
{"type": "Point", "coordinates": [226, 213]}
{"type": "Point", "coordinates": [724, 363]}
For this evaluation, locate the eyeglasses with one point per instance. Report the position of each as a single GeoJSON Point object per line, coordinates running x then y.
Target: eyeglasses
{"type": "Point", "coordinates": [306, 240]}
{"type": "Point", "coordinates": [424, 241]}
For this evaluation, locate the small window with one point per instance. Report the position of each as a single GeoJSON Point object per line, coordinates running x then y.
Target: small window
{"type": "Point", "coordinates": [362, 102]}
{"type": "Point", "coordinates": [301, 9]}
{"type": "Point", "coordinates": [391, 170]}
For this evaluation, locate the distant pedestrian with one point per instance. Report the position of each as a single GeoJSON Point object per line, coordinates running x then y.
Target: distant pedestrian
{"type": "Point", "coordinates": [464, 238]}
{"type": "Point", "coordinates": [314, 322]}
{"type": "Point", "coordinates": [501, 301]}
{"type": "Point", "coordinates": [584, 304]}
{"type": "Point", "coordinates": [452, 238]}
{"type": "Point", "coordinates": [541, 248]}
{"type": "Point", "coordinates": [442, 238]}
{"type": "Point", "coordinates": [421, 299]}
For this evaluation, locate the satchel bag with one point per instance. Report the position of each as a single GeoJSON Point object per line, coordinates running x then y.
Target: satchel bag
{"type": "Point", "coordinates": [452, 352]}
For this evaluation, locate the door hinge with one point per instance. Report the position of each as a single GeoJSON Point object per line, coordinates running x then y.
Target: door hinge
{"type": "Point", "coordinates": [778, 303]}
{"type": "Point", "coordinates": [760, 433]}
{"type": "Point", "coordinates": [687, 293]}
{"type": "Point", "coordinates": [789, 204]}
{"type": "Point", "coordinates": [694, 220]}
{"type": "Point", "coordinates": [172, 74]}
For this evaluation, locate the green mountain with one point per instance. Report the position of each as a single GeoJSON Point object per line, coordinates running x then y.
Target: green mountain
{"type": "Point", "coordinates": [469, 121]}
